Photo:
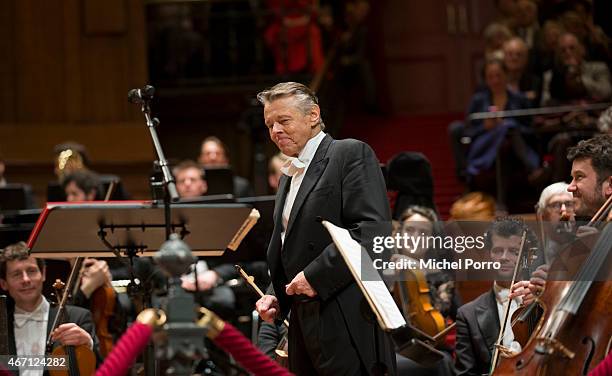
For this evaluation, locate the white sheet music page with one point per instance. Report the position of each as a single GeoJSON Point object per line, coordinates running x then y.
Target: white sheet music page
{"type": "Point", "coordinates": [376, 291]}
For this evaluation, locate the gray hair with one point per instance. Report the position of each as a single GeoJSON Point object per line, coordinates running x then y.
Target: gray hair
{"type": "Point", "coordinates": [551, 190]}
{"type": "Point", "coordinates": [304, 97]}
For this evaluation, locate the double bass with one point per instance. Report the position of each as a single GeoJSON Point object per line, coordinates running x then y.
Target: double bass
{"type": "Point", "coordinates": [575, 331]}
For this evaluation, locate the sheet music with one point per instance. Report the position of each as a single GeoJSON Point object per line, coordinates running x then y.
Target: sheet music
{"type": "Point", "coordinates": [375, 291]}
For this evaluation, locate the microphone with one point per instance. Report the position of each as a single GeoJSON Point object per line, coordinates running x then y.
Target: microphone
{"type": "Point", "coordinates": [140, 96]}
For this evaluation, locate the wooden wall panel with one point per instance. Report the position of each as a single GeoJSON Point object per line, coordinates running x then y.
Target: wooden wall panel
{"type": "Point", "coordinates": [7, 63]}
{"type": "Point", "coordinates": [39, 54]}
{"type": "Point", "coordinates": [418, 85]}
{"type": "Point", "coordinates": [61, 83]}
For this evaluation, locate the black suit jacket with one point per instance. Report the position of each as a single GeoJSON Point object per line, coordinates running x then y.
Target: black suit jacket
{"type": "Point", "coordinates": [77, 315]}
{"type": "Point", "coordinates": [343, 185]}
{"type": "Point", "coordinates": [477, 330]}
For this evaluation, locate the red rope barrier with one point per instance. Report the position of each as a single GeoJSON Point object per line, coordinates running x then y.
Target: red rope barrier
{"type": "Point", "coordinates": [256, 362]}
{"type": "Point", "coordinates": [123, 355]}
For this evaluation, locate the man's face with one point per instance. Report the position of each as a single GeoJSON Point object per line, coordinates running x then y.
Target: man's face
{"type": "Point", "coordinates": [515, 55]}
{"type": "Point", "coordinates": [506, 251]}
{"type": "Point", "coordinates": [189, 183]}
{"type": "Point", "coordinates": [213, 155]}
{"type": "Point", "coordinates": [556, 206]}
{"type": "Point", "coordinates": [24, 281]}
{"type": "Point", "coordinates": [289, 128]}
{"type": "Point", "coordinates": [589, 196]}
{"type": "Point", "coordinates": [570, 50]}
{"type": "Point", "coordinates": [74, 193]}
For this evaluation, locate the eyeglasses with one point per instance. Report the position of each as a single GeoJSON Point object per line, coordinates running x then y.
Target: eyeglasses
{"type": "Point", "coordinates": [557, 205]}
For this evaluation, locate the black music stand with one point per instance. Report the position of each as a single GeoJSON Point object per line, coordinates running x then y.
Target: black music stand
{"type": "Point", "coordinates": [95, 229]}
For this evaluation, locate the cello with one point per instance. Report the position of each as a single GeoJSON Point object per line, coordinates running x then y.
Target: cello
{"type": "Point", "coordinates": [575, 330]}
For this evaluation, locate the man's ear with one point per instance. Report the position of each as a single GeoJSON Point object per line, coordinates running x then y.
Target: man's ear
{"type": "Point", "coordinates": [607, 187]}
{"type": "Point", "coordinates": [315, 116]}
{"type": "Point", "coordinates": [3, 284]}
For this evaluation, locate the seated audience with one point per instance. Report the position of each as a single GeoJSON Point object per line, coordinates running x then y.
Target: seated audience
{"type": "Point", "coordinates": [573, 78]}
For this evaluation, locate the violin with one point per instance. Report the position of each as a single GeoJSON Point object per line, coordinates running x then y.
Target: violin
{"type": "Point", "coordinates": [102, 307]}
{"type": "Point", "coordinates": [81, 359]}
{"type": "Point", "coordinates": [573, 335]}
{"type": "Point", "coordinates": [282, 349]}
{"type": "Point", "coordinates": [413, 294]}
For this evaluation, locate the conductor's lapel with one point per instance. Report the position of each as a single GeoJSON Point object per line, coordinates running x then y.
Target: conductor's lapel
{"type": "Point", "coordinates": [314, 172]}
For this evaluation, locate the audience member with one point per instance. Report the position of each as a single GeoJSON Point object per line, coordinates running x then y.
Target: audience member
{"type": "Point", "coordinates": [526, 24]}
{"type": "Point", "coordinates": [488, 135]}
{"type": "Point", "coordinates": [520, 78]}
{"type": "Point", "coordinates": [189, 178]}
{"type": "Point", "coordinates": [214, 154]}
{"type": "Point", "coordinates": [574, 79]}
{"type": "Point", "coordinates": [495, 35]}
{"type": "Point", "coordinates": [596, 43]}
{"type": "Point", "coordinates": [544, 52]}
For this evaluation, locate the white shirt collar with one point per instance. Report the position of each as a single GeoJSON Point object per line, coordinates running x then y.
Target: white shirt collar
{"type": "Point", "coordinates": [310, 148]}
{"type": "Point", "coordinates": [40, 314]}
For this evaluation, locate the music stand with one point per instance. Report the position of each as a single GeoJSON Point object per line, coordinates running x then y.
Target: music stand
{"type": "Point", "coordinates": [95, 229]}
{"type": "Point", "coordinates": [16, 197]}
{"type": "Point", "coordinates": [219, 180]}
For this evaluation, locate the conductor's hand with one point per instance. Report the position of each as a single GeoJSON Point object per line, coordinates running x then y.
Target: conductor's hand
{"type": "Point", "coordinates": [267, 307]}
{"type": "Point", "coordinates": [300, 286]}
{"type": "Point", "coordinates": [95, 274]}
{"type": "Point", "coordinates": [72, 335]}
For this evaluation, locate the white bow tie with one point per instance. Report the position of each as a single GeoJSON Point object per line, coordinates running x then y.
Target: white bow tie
{"type": "Point", "coordinates": [22, 318]}
{"type": "Point", "coordinates": [293, 167]}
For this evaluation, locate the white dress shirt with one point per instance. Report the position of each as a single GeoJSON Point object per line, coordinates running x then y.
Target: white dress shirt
{"type": "Point", "coordinates": [30, 333]}
{"type": "Point", "coordinates": [501, 296]}
{"type": "Point", "coordinates": [297, 169]}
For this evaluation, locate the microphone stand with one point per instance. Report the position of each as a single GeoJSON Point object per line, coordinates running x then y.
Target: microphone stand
{"type": "Point", "coordinates": [170, 193]}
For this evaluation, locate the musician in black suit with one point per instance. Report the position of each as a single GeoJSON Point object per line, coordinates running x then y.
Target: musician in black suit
{"type": "Point", "coordinates": [30, 314]}
{"type": "Point", "coordinates": [339, 181]}
{"type": "Point", "coordinates": [478, 322]}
